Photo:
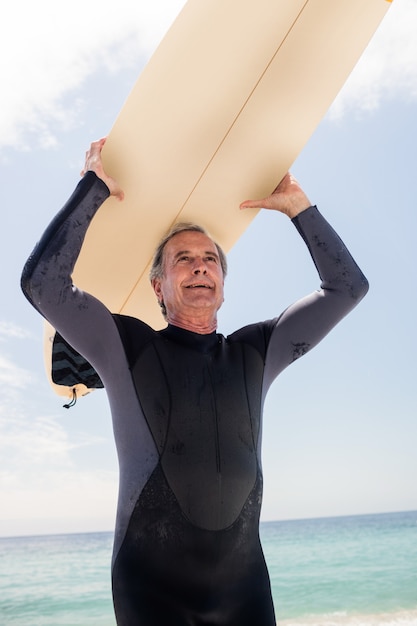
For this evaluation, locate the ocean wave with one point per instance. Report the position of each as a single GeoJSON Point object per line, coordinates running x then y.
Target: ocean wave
{"type": "Point", "coordinates": [399, 618]}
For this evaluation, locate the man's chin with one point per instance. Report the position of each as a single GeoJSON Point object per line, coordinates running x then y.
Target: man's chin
{"type": "Point", "coordinates": [203, 304]}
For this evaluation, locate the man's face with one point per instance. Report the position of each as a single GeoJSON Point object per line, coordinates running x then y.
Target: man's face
{"type": "Point", "coordinates": [192, 282]}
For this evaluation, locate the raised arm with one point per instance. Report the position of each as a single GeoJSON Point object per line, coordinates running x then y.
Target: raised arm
{"type": "Point", "coordinates": [47, 276]}
{"type": "Point", "coordinates": [303, 324]}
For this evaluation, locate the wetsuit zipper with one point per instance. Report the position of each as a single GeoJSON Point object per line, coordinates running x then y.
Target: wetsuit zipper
{"type": "Point", "coordinates": [216, 418]}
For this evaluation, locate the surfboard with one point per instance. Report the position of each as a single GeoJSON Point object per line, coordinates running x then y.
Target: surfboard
{"type": "Point", "coordinates": [218, 115]}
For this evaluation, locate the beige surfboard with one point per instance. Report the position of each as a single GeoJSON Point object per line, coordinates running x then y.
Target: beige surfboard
{"type": "Point", "coordinates": [218, 115]}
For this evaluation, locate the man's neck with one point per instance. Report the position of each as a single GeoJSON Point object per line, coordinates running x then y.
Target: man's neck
{"type": "Point", "coordinates": [201, 325]}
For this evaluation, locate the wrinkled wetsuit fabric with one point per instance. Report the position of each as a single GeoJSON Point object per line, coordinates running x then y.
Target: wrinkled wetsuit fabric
{"type": "Point", "coordinates": [186, 412]}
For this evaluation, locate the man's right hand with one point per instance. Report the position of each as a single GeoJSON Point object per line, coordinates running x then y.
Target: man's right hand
{"type": "Point", "coordinates": [93, 163]}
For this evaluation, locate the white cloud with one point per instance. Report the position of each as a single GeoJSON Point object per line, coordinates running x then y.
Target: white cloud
{"type": "Point", "coordinates": [388, 67]}
{"type": "Point", "coordinates": [50, 502]}
{"type": "Point", "coordinates": [48, 49]}
{"type": "Point", "coordinates": [42, 487]}
{"type": "Point", "coordinates": [41, 477]}
{"type": "Point", "coordinates": [40, 441]}
{"type": "Point", "coordinates": [11, 377]}
{"type": "Point", "coordinates": [9, 330]}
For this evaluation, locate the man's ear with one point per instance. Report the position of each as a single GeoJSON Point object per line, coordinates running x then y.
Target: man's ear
{"type": "Point", "coordinates": [156, 286]}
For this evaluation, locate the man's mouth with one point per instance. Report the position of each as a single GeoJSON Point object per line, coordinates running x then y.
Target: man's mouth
{"type": "Point", "coordinates": [199, 286]}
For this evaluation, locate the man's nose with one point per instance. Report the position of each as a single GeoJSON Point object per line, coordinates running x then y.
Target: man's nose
{"type": "Point", "coordinates": [199, 267]}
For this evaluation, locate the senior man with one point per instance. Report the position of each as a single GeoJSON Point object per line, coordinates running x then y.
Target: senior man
{"type": "Point", "coordinates": [186, 405]}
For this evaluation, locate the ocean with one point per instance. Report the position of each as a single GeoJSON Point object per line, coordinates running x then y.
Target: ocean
{"type": "Point", "coordinates": [356, 571]}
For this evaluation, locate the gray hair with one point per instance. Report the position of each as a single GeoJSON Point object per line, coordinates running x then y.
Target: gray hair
{"type": "Point", "coordinates": [157, 267]}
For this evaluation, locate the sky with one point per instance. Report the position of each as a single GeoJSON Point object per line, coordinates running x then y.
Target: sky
{"type": "Point", "coordinates": [340, 425]}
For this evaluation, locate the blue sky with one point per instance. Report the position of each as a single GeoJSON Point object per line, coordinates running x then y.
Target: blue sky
{"type": "Point", "coordinates": [341, 424]}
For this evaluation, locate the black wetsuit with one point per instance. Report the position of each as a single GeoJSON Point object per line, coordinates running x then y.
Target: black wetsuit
{"type": "Point", "coordinates": [187, 414]}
